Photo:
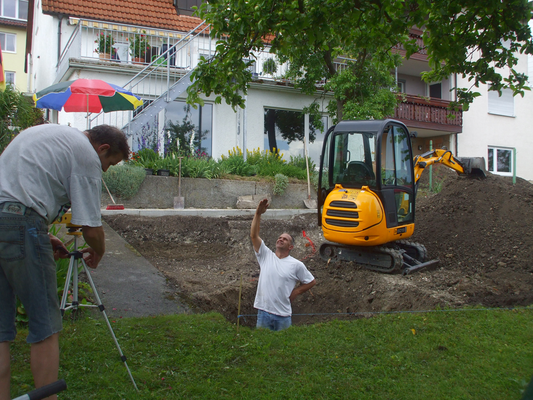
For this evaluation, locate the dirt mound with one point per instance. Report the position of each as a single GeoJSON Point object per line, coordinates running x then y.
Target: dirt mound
{"type": "Point", "coordinates": [479, 230]}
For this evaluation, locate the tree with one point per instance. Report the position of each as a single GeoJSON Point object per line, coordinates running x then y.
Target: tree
{"type": "Point", "coordinates": [468, 37]}
{"type": "Point", "coordinates": [16, 114]}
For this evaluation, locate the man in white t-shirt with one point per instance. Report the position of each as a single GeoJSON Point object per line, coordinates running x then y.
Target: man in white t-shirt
{"type": "Point", "coordinates": [45, 171]}
{"type": "Point", "coordinates": [278, 277]}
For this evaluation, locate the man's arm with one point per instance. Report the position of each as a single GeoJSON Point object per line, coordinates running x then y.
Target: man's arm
{"type": "Point", "coordinates": [95, 238]}
{"type": "Point", "coordinates": [254, 230]}
{"type": "Point", "coordinates": [301, 289]}
{"type": "Point", "coordinates": [60, 251]}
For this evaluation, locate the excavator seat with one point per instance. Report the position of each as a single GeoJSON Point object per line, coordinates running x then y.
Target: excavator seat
{"type": "Point", "coordinates": [357, 171]}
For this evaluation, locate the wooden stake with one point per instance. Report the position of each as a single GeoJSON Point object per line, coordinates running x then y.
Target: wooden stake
{"type": "Point", "coordinates": [239, 307]}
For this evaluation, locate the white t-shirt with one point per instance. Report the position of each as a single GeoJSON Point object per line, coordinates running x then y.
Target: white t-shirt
{"type": "Point", "coordinates": [52, 168]}
{"type": "Point", "coordinates": [277, 280]}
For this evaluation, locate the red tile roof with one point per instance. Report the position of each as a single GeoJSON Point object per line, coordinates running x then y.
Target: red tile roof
{"type": "Point", "coordinates": [150, 13]}
{"type": "Point", "coordinates": [12, 22]}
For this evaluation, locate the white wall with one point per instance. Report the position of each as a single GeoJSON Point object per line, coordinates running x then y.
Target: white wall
{"type": "Point", "coordinates": [227, 133]}
{"type": "Point", "coordinates": [481, 129]}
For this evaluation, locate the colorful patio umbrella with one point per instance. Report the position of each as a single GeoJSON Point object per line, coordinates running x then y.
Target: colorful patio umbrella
{"type": "Point", "coordinates": [86, 95]}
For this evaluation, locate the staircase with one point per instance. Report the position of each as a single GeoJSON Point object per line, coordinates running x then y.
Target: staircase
{"type": "Point", "coordinates": [159, 83]}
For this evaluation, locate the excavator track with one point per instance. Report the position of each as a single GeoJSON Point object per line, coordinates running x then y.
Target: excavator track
{"type": "Point", "coordinates": [414, 249]}
{"type": "Point", "coordinates": [379, 258]}
{"type": "Point", "coordinates": [414, 255]}
{"type": "Point", "coordinates": [403, 255]}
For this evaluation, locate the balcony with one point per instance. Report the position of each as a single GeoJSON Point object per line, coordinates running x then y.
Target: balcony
{"type": "Point", "coordinates": [429, 113]}
{"type": "Point", "coordinates": [119, 55]}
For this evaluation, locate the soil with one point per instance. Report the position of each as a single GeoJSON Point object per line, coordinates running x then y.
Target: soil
{"type": "Point", "coordinates": [479, 230]}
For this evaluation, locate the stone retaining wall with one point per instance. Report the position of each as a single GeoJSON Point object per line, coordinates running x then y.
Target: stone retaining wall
{"type": "Point", "coordinates": [159, 192]}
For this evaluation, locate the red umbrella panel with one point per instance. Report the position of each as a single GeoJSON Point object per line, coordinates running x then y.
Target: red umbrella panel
{"type": "Point", "coordinates": [86, 95]}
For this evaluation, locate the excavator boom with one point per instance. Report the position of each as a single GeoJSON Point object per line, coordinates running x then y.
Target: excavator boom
{"type": "Point", "coordinates": [471, 166]}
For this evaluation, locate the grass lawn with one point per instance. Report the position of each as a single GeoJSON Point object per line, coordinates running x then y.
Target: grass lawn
{"type": "Point", "coordinates": [470, 354]}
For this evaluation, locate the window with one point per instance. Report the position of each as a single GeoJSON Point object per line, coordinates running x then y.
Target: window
{"type": "Point", "coordinates": [500, 161]}
{"type": "Point", "coordinates": [435, 91]}
{"type": "Point", "coordinates": [401, 85]}
{"type": "Point", "coordinates": [184, 7]}
{"type": "Point", "coordinates": [14, 9]}
{"type": "Point", "coordinates": [8, 42]}
{"type": "Point", "coordinates": [501, 105]}
{"type": "Point", "coordinates": [189, 128]}
{"type": "Point", "coordinates": [251, 67]}
{"type": "Point", "coordinates": [284, 131]}
{"type": "Point", "coordinates": [10, 78]}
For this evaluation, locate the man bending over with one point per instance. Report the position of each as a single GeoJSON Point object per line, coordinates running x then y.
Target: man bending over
{"type": "Point", "coordinates": [44, 171]}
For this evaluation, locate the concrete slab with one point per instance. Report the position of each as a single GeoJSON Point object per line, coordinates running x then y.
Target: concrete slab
{"type": "Point", "coordinates": [211, 213]}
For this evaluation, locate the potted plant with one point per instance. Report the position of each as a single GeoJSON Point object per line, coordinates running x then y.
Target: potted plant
{"type": "Point", "coordinates": [139, 47]}
{"type": "Point", "coordinates": [270, 67]}
{"type": "Point", "coordinates": [104, 44]}
{"type": "Point", "coordinates": [146, 158]}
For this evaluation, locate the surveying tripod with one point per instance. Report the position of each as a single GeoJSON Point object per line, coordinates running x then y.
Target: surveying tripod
{"type": "Point", "coordinates": [76, 257]}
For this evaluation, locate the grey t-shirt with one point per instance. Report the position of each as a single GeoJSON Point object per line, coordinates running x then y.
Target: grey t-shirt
{"type": "Point", "coordinates": [52, 168]}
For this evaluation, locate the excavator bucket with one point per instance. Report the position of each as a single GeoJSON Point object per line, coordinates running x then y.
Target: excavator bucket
{"type": "Point", "coordinates": [474, 166]}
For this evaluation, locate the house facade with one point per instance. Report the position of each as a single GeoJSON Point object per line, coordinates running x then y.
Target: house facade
{"type": "Point", "coordinates": [154, 45]}
{"type": "Point", "coordinates": [13, 19]}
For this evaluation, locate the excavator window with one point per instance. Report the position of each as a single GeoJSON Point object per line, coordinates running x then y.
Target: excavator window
{"type": "Point", "coordinates": [396, 175]}
{"type": "Point", "coordinates": [353, 164]}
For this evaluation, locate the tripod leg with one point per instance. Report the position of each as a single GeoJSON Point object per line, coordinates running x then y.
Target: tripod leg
{"type": "Point", "coordinates": [75, 277]}
{"type": "Point", "coordinates": [102, 309]}
{"type": "Point", "coordinates": [67, 284]}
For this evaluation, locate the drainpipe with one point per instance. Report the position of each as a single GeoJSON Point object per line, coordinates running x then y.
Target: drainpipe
{"type": "Point", "coordinates": [514, 165]}
{"type": "Point", "coordinates": [244, 128]}
{"type": "Point", "coordinates": [29, 63]}
{"type": "Point", "coordinates": [59, 39]}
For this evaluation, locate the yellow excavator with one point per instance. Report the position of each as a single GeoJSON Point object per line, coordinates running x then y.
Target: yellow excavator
{"type": "Point", "coordinates": [368, 181]}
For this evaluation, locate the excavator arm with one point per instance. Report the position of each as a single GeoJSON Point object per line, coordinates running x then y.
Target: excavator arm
{"type": "Point", "coordinates": [470, 166]}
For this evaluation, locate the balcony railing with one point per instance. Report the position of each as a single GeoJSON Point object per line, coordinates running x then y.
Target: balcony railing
{"type": "Point", "coordinates": [429, 113]}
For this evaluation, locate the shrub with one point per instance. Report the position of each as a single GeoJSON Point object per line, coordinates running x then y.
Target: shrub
{"type": "Point", "coordinates": [280, 184]}
{"type": "Point", "coordinates": [299, 161]}
{"type": "Point", "coordinates": [200, 167]}
{"type": "Point", "coordinates": [146, 158]}
{"type": "Point", "coordinates": [124, 180]}
{"type": "Point", "coordinates": [234, 164]}
{"type": "Point", "coordinates": [17, 113]}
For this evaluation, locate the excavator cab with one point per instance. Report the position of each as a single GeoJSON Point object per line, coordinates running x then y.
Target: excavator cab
{"type": "Point", "coordinates": [366, 194]}
{"type": "Point", "coordinates": [369, 161]}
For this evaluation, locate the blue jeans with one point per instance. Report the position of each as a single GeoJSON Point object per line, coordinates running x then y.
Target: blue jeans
{"type": "Point", "coordinates": [272, 321]}
{"type": "Point", "coordinates": [27, 270]}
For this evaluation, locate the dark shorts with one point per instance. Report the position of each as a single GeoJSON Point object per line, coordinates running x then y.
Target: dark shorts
{"type": "Point", "coordinates": [27, 270]}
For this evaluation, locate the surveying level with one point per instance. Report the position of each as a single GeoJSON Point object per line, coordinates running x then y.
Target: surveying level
{"type": "Point", "coordinates": [76, 257]}
{"type": "Point", "coordinates": [65, 219]}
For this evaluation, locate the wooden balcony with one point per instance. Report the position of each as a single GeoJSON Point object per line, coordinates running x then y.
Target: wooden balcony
{"type": "Point", "coordinates": [429, 113]}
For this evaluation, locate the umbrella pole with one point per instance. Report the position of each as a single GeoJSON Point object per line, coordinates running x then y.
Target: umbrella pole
{"type": "Point", "coordinates": [88, 117]}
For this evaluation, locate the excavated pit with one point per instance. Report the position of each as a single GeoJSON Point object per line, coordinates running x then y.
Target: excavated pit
{"type": "Point", "coordinates": [480, 230]}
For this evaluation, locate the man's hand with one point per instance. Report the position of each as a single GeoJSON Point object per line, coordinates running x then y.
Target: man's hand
{"type": "Point", "coordinates": [60, 251]}
{"type": "Point", "coordinates": [91, 257]}
{"type": "Point", "coordinates": [95, 239]}
{"type": "Point", "coordinates": [301, 289]}
{"type": "Point", "coordinates": [262, 207]}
